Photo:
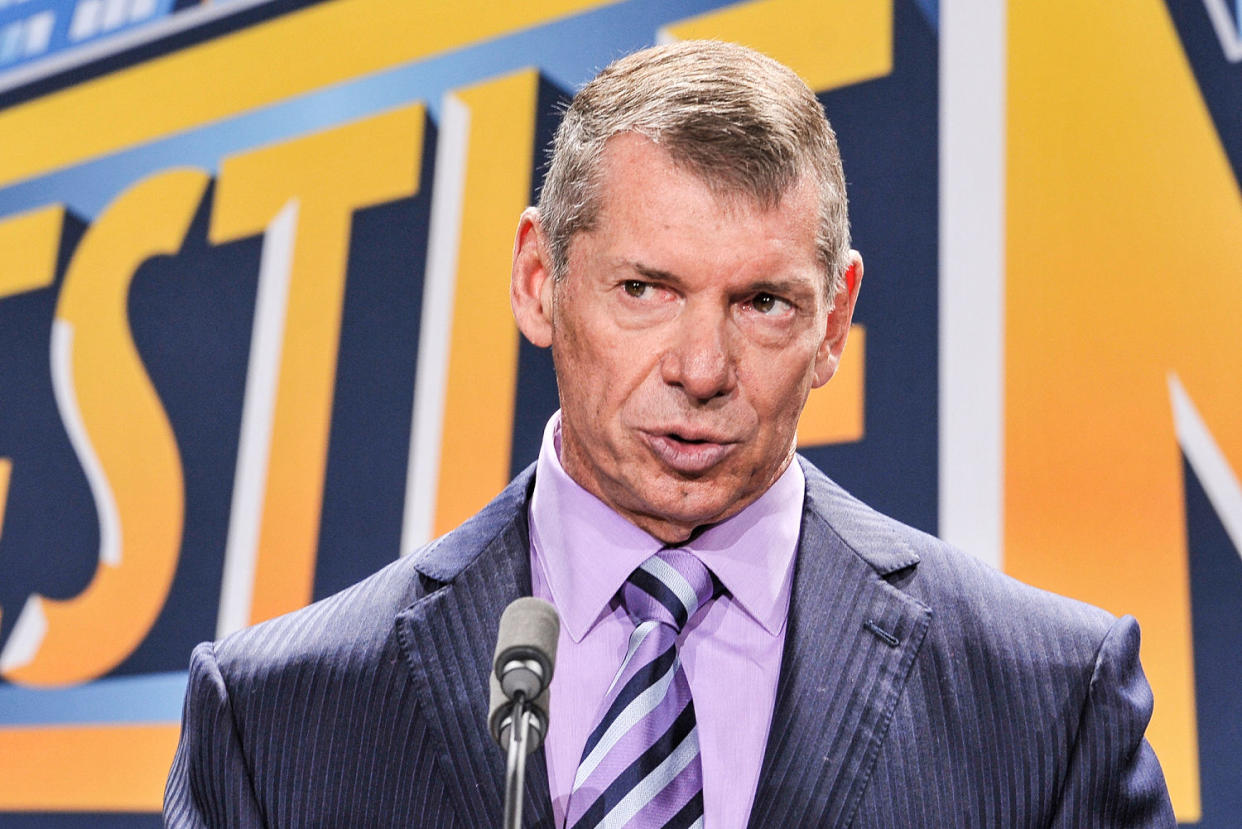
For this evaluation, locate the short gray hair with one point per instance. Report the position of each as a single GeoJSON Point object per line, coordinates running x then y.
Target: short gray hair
{"type": "Point", "coordinates": [743, 123]}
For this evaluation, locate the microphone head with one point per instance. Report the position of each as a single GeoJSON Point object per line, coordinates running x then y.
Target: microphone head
{"type": "Point", "coordinates": [526, 647]}
{"type": "Point", "coordinates": [500, 718]}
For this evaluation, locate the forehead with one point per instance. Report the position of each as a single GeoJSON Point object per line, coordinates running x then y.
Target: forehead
{"type": "Point", "coordinates": [650, 206]}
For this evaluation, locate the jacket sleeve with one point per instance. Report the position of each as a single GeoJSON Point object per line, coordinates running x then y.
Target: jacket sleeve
{"type": "Point", "coordinates": [1114, 778]}
{"type": "Point", "coordinates": [210, 783]}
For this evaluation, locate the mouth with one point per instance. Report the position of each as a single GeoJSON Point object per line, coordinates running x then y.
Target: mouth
{"type": "Point", "coordinates": [688, 452]}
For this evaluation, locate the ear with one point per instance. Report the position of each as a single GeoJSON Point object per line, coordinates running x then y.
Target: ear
{"type": "Point", "coordinates": [530, 284]}
{"type": "Point", "coordinates": [828, 357]}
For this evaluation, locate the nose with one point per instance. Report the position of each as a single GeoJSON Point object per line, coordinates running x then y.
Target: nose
{"type": "Point", "coordinates": [698, 360]}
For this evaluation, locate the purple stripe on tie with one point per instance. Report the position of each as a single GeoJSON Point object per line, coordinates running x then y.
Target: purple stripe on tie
{"type": "Point", "coordinates": [659, 811]}
{"type": "Point", "coordinates": [636, 741]}
{"type": "Point", "coordinates": [634, 713]}
{"type": "Point", "coordinates": [646, 777]}
{"type": "Point", "coordinates": [636, 676]}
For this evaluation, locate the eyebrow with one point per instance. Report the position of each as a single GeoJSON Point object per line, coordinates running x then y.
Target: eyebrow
{"type": "Point", "coordinates": [655, 274]}
{"type": "Point", "coordinates": [799, 288]}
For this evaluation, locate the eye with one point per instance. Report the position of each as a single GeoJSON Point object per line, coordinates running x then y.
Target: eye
{"type": "Point", "coordinates": [635, 288]}
{"type": "Point", "coordinates": [768, 304]}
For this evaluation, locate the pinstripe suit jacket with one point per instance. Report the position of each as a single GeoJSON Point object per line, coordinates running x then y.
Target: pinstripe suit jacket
{"type": "Point", "coordinates": [918, 688]}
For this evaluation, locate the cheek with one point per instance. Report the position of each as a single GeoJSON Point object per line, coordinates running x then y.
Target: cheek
{"type": "Point", "coordinates": [585, 376]}
{"type": "Point", "coordinates": [777, 386]}
{"type": "Point", "coordinates": [605, 365]}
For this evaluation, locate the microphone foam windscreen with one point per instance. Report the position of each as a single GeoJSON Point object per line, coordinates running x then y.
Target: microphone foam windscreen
{"type": "Point", "coordinates": [529, 628]}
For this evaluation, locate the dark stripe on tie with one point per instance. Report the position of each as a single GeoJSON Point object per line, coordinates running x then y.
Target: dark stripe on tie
{"type": "Point", "coordinates": [644, 678]}
{"type": "Point", "coordinates": [660, 591]}
{"type": "Point", "coordinates": [640, 768]}
{"type": "Point", "coordinates": [688, 814]}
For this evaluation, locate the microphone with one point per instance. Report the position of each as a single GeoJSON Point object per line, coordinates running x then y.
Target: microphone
{"type": "Point", "coordinates": [522, 669]}
{"type": "Point", "coordinates": [526, 647]}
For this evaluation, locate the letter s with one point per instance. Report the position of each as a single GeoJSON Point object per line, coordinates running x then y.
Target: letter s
{"type": "Point", "coordinates": [123, 439]}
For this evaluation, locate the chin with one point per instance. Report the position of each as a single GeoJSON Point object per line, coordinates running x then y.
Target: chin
{"type": "Point", "coordinates": [688, 512]}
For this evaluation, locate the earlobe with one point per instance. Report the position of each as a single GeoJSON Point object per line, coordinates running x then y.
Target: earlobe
{"type": "Point", "coordinates": [828, 357]}
{"type": "Point", "coordinates": [530, 284]}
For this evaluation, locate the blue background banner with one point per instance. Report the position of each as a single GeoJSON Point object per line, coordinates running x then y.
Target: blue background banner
{"type": "Point", "coordinates": [255, 344]}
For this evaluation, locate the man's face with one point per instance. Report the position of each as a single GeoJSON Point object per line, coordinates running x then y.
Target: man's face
{"type": "Point", "coordinates": [686, 334]}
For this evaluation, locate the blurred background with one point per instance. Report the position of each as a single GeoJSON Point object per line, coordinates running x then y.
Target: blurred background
{"type": "Point", "coordinates": [255, 339]}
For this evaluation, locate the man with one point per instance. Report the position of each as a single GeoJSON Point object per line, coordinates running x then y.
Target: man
{"type": "Point", "coordinates": [742, 642]}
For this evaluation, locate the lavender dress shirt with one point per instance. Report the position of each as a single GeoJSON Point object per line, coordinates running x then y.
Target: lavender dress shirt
{"type": "Point", "coordinates": [581, 553]}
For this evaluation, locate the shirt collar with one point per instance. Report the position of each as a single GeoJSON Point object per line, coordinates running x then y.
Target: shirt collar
{"type": "Point", "coordinates": [752, 553]}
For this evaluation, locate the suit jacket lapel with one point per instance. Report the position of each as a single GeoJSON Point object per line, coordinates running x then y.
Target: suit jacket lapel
{"type": "Point", "coordinates": [448, 637]}
{"type": "Point", "coordinates": [850, 641]}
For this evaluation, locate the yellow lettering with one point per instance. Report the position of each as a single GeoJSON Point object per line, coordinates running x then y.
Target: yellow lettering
{"type": "Point", "coordinates": [834, 412]}
{"type": "Point", "coordinates": [107, 767]}
{"type": "Point", "coordinates": [123, 439]}
{"type": "Point", "coordinates": [812, 37]}
{"type": "Point", "coordinates": [323, 178]}
{"type": "Point", "coordinates": [1099, 309]}
{"type": "Point", "coordinates": [483, 350]}
{"type": "Point", "coordinates": [319, 46]}
{"type": "Point", "coordinates": [29, 243]}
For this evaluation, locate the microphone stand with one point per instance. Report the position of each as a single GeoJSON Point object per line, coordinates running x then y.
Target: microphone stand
{"type": "Point", "coordinates": [515, 773]}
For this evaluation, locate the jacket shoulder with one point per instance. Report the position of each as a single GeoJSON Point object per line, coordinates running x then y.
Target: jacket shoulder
{"type": "Point", "coordinates": [352, 624]}
{"type": "Point", "coordinates": [357, 623]}
{"type": "Point", "coordinates": [1009, 683]}
{"type": "Point", "coordinates": [966, 596]}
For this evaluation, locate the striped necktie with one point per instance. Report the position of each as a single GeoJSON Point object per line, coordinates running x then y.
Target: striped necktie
{"type": "Point", "coordinates": [640, 766]}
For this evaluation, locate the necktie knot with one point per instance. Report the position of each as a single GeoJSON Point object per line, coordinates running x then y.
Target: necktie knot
{"type": "Point", "coordinates": [668, 588]}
